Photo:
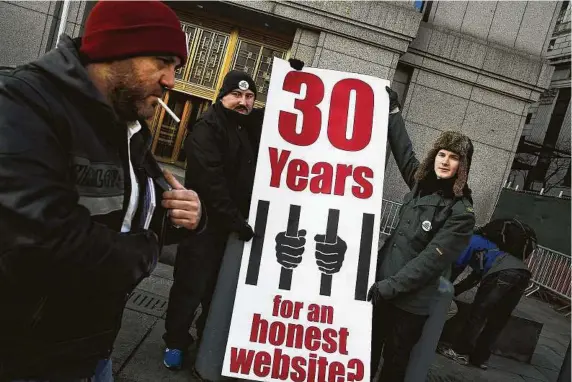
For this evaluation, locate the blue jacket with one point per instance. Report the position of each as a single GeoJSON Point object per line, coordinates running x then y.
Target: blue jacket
{"type": "Point", "coordinates": [485, 258]}
{"type": "Point", "coordinates": [479, 244]}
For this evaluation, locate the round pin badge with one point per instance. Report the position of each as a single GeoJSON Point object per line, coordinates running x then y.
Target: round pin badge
{"type": "Point", "coordinates": [243, 85]}
{"type": "Point", "coordinates": [426, 225]}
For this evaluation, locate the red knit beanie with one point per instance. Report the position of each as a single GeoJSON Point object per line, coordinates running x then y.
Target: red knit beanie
{"type": "Point", "coordinates": [116, 30]}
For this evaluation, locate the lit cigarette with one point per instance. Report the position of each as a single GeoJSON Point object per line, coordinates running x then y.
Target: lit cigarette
{"type": "Point", "coordinates": [173, 115]}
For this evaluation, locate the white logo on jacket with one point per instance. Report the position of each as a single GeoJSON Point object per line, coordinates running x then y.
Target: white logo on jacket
{"type": "Point", "coordinates": [426, 225]}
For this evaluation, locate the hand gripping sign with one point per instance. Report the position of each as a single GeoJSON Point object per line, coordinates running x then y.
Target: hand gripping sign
{"type": "Point", "coordinates": [300, 311]}
{"type": "Point", "coordinates": [330, 250]}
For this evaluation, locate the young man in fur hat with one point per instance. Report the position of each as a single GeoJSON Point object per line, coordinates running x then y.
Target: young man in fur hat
{"type": "Point", "coordinates": [76, 176]}
{"type": "Point", "coordinates": [436, 224]}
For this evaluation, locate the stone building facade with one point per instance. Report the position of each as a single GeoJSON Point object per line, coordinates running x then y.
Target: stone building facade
{"type": "Point", "coordinates": [29, 28]}
{"type": "Point", "coordinates": [542, 161]}
{"type": "Point", "coordinates": [471, 66]}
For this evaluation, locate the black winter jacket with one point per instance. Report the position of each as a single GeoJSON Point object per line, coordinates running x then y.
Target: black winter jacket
{"type": "Point", "coordinates": [433, 229]}
{"type": "Point", "coordinates": [65, 268]}
{"type": "Point", "coordinates": [221, 161]}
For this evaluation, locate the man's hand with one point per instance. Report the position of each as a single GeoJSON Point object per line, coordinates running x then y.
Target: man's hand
{"type": "Point", "coordinates": [245, 233]}
{"type": "Point", "coordinates": [393, 99]}
{"type": "Point", "coordinates": [373, 295]}
{"type": "Point", "coordinates": [184, 205]}
{"type": "Point", "coordinates": [330, 256]}
{"type": "Point", "coordinates": [296, 64]}
{"type": "Point", "coordinates": [289, 249]}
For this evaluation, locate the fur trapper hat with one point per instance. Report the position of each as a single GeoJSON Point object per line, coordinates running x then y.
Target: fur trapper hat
{"type": "Point", "coordinates": [458, 143]}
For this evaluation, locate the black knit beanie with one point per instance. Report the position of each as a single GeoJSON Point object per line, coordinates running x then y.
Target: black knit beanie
{"type": "Point", "coordinates": [236, 79]}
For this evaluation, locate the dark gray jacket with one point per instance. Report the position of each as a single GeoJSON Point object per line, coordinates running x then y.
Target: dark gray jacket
{"type": "Point", "coordinates": [432, 232]}
{"type": "Point", "coordinates": [66, 270]}
{"type": "Point", "coordinates": [504, 262]}
{"type": "Point", "coordinates": [221, 161]}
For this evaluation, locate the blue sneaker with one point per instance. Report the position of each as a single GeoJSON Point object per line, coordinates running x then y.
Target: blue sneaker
{"type": "Point", "coordinates": [173, 359]}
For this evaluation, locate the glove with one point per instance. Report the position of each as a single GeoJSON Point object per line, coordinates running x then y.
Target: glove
{"type": "Point", "coordinates": [245, 233]}
{"type": "Point", "coordinates": [330, 256]}
{"type": "Point", "coordinates": [289, 249]}
{"type": "Point", "coordinates": [296, 64]}
{"type": "Point", "coordinates": [373, 295]}
{"type": "Point", "coordinates": [393, 99]}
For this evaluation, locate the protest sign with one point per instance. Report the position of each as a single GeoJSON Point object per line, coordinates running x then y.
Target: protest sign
{"type": "Point", "coordinates": [300, 311]}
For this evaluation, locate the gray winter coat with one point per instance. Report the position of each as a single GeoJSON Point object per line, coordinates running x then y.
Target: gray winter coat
{"type": "Point", "coordinates": [432, 232]}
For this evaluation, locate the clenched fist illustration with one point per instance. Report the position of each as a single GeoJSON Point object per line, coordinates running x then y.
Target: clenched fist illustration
{"type": "Point", "coordinates": [289, 249]}
{"type": "Point", "coordinates": [330, 255]}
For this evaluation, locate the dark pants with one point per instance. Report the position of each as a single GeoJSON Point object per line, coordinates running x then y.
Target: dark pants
{"type": "Point", "coordinates": [196, 270]}
{"type": "Point", "coordinates": [496, 298]}
{"type": "Point", "coordinates": [455, 273]}
{"type": "Point", "coordinates": [396, 332]}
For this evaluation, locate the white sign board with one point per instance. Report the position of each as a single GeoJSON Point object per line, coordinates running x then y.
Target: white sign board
{"type": "Point", "coordinates": [300, 312]}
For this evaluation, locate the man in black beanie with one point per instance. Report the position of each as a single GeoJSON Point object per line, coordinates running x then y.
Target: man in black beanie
{"type": "Point", "coordinates": [238, 81]}
{"type": "Point", "coordinates": [221, 154]}
{"type": "Point", "coordinates": [221, 149]}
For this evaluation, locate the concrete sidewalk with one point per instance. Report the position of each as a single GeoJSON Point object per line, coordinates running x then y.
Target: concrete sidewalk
{"type": "Point", "coordinates": [137, 356]}
{"type": "Point", "coordinates": [138, 352]}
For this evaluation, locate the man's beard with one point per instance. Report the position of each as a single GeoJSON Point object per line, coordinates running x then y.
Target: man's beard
{"type": "Point", "coordinates": [126, 93]}
{"type": "Point", "coordinates": [124, 98]}
{"type": "Point", "coordinates": [242, 109]}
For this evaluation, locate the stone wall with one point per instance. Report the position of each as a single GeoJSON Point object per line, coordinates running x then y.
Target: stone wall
{"type": "Point", "coordinates": [329, 51]}
{"type": "Point", "coordinates": [28, 28]}
{"type": "Point", "coordinates": [522, 25]}
{"type": "Point", "coordinates": [465, 84]}
{"type": "Point", "coordinates": [365, 37]}
{"type": "Point", "coordinates": [561, 46]}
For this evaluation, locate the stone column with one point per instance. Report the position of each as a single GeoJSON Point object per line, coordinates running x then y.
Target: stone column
{"type": "Point", "coordinates": [464, 84]}
{"type": "Point", "coordinates": [344, 54]}
{"type": "Point", "coordinates": [304, 45]}
{"type": "Point", "coordinates": [365, 37]}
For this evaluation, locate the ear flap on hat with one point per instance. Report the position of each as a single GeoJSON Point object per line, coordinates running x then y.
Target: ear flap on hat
{"type": "Point", "coordinates": [462, 177]}
{"type": "Point", "coordinates": [426, 166]}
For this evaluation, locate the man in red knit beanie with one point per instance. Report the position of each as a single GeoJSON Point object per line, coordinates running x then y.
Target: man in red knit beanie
{"type": "Point", "coordinates": [132, 49]}
{"type": "Point", "coordinates": [84, 206]}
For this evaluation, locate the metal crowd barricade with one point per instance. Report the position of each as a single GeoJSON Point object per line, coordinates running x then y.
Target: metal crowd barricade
{"type": "Point", "coordinates": [389, 220]}
{"type": "Point", "coordinates": [551, 271]}
{"type": "Point", "coordinates": [389, 216]}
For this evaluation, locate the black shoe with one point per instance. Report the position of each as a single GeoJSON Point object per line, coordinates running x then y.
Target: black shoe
{"type": "Point", "coordinates": [482, 366]}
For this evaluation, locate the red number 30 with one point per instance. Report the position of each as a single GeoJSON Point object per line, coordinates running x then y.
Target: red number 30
{"type": "Point", "coordinates": [338, 118]}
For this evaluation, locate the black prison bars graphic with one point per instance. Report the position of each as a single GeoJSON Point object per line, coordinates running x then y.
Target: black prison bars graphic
{"type": "Point", "coordinates": [331, 236]}
{"type": "Point", "coordinates": [253, 269]}
{"type": "Point", "coordinates": [292, 231]}
{"type": "Point", "coordinates": [285, 282]}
